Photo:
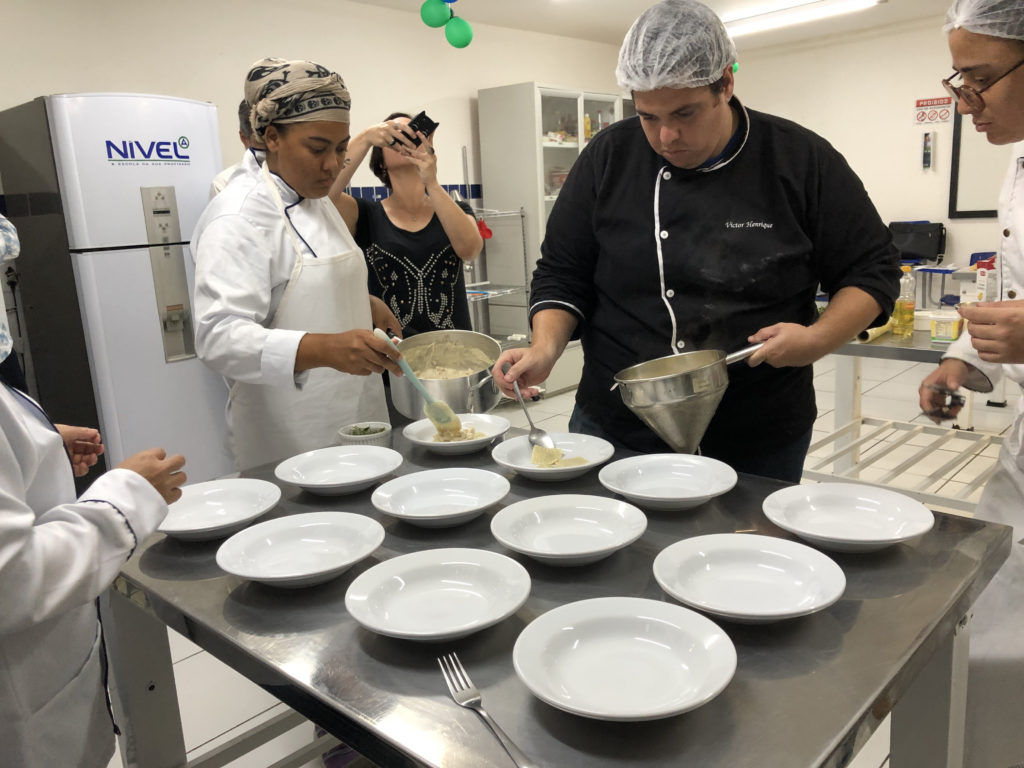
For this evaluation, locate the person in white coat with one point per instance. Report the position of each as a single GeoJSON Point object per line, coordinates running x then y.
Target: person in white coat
{"type": "Point", "coordinates": [58, 553]}
{"type": "Point", "coordinates": [986, 39]}
{"type": "Point", "coordinates": [245, 136]}
{"type": "Point", "coordinates": [282, 306]}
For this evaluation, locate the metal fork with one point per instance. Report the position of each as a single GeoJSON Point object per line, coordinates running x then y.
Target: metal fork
{"type": "Point", "coordinates": [466, 695]}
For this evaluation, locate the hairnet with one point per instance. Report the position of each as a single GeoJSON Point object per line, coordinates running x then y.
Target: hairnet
{"type": "Point", "coordinates": [997, 18]}
{"type": "Point", "coordinates": [674, 44]}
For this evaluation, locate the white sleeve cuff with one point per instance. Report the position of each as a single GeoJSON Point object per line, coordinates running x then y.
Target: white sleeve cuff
{"type": "Point", "coordinates": [277, 361]}
{"type": "Point", "coordinates": [134, 497]}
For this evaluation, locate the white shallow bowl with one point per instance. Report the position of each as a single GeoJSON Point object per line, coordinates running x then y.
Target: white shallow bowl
{"type": "Point", "coordinates": [339, 469]}
{"type": "Point", "coordinates": [515, 454]}
{"type": "Point", "coordinates": [383, 438]}
{"type": "Point", "coordinates": [300, 550]}
{"type": "Point", "coordinates": [749, 578]}
{"type": "Point", "coordinates": [848, 517]}
{"type": "Point", "coordinates": [668, 481]}
{"type": "Point", "coordinates": [218, 508]}
{"type": "Point", "coordinates": [569, 529]}
{"type": "Point", "coordinates": [438, 498]}
{"type": "Point", "coordinates": [624, 658]}
{"type": "Point", "coordinates": [422, 433]}
{"type": "Point", "coordinates": [438, 594]}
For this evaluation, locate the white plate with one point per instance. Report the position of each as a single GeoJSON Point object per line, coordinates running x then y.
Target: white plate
{"type": "Point", "coordinates": [438, 594]}
{"type": "Point", "coordinates": [749, 578]}
{"type": "Point", "coordinates": [218, 508]}
{"type": "Point", "coordinates": [438, 498]}
{"type": "Point", "coordinates": [422, 433]}
{"type": "Point", "coordinates": [339, 469]}
{"type": "Point", "coordinates": [848, 517]}
{"type": "Point", "coordinates": [515, 454]}
{"type": "Point", "coordinates": [624, 658]}
{"type": "Point", "coordinates": [570, 529]}
{"type": "Point", "coordinates": [668, 481]}
{"type": "Point", "coordinates": [300, 550]}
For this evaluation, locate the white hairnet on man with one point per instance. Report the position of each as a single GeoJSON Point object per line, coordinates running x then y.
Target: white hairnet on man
{"type": "Point", "coordinates": [674, 44]}
{"type": "Point", "coordinates": [996, 18]}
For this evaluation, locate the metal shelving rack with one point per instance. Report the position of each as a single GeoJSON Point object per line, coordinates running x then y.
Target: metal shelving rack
{"type": "Point", "coordinates": [500, 278]}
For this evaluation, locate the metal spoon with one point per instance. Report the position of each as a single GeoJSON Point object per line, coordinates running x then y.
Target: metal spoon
{"type": "Point", "coordinates": [537, 436]}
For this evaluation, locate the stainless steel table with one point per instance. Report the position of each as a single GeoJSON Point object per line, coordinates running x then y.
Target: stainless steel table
{"type": "Point", "coordinates": [807, 691]}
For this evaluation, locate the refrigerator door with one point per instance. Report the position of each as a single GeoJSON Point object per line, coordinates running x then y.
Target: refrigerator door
{"type": "Point", "coordinates": [108, 145]}
{"type": "Point", "coordinates": [144, 401]}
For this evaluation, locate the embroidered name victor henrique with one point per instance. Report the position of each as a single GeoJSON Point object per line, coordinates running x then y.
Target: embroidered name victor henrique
{"type": "Point", "coordinates": [748, 225]}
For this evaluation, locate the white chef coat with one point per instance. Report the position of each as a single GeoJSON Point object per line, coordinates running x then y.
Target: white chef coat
{"type": "Point", "coordinates": [995, 686]}
{"type": "Point", "coordinates": [57, 555]}
{"type": "Point", "coordinates": [246, 254]}
{"type": "Point", "coordinates": [220, 181]}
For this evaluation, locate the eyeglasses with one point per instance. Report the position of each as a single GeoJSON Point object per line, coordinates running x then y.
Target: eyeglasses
{"type": "Point", "coordinates": [972, 96]}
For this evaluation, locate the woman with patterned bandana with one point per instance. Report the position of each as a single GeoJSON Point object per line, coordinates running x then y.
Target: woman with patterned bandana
{"type": "Point", "coordinates": [283, 312]}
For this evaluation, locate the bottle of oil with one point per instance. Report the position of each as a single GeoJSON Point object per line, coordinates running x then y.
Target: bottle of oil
{"type": "Point", "coordinates": [587, 127]}
{"type": "Point", "coordinates": [903, 314]}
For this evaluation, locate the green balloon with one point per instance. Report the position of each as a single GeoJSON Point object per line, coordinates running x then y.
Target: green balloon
{"type": "Point", "coordinates": [435, 13]}
{"type": "Point", "coordinates": [458, 32]}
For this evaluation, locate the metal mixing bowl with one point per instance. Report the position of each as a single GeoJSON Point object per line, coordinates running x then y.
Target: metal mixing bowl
{"type": "Point", "coordinates": [475, 393]}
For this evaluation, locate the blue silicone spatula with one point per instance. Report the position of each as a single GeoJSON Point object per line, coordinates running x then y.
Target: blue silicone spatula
{"type": "Point", "coordinates": [439, 412]}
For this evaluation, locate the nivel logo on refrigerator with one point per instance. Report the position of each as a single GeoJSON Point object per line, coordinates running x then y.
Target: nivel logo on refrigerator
{"type": "Point", "coordinates": [135, 152]}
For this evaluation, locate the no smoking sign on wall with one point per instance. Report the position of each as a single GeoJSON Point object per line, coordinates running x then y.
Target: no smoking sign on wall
{"type": "Point", "coordinates": [931, 111]}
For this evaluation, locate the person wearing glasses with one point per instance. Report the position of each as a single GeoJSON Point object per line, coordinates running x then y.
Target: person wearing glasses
{"type": "Point", "coordinates": [701, 224]}
{"type": "Point", "coordinates": [986, 40]}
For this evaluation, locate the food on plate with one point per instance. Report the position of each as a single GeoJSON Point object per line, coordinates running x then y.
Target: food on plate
{"type": "Point", "coordinates": [554, 457]}
{"type": "Point", "coordinates": [465, 433]}
{"type": "Point", "coordinates": [446, 360]}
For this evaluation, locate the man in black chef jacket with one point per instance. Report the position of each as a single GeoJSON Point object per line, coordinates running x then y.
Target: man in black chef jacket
{"type": "Point", "coordinates": [700, 224]}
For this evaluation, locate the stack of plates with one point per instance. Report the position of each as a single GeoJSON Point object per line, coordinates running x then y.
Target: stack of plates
{"type": "Point", "coordinates": [847, 517]}
{"type": "Point", "coordinates": [339, 469]}
{"type": "Point", "coordinates": [571, 529]}
{"type": "Point", "coordinates": [749, 578]}
{"type": "Point", "coordinates": [218, 508]}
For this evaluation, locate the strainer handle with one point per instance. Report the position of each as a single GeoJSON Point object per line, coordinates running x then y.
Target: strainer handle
{"type": "Point", "coordinates": [742, 354]}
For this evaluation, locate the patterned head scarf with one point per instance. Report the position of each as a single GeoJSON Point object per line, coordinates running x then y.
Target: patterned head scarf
{"type": "Point", "coordinates": [280, 91]}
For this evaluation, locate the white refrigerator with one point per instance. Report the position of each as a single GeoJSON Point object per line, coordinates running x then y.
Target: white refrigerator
{"type": "Point", "coordinates": [105, 190]}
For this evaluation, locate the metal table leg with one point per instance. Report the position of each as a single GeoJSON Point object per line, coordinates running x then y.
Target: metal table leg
{"type": "Point", "coordinates": [141, 681]}
{"type": "Point", "coordinates": [847, 408]}
{"type": "Point", "coordinates": [928, 720]}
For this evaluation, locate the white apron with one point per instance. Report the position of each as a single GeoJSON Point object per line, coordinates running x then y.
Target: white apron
{"type": "Point", "coordinates": [326, 293]}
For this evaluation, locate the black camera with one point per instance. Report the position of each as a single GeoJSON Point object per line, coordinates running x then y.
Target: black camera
{"type": "Point", "coordinates": [420, 123]}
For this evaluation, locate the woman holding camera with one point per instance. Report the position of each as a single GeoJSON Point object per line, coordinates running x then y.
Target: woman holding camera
{"type": "Point", "coordinates": [417, 238]}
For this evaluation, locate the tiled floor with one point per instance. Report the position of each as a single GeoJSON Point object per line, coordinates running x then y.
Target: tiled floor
{"type": "Point", "coordinates": [216, 703]}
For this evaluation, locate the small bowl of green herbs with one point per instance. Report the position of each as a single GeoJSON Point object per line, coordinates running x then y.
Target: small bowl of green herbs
{"type": "Point", "coordinates": [366, 433]}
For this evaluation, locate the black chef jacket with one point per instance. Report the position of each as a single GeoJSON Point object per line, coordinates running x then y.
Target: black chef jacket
{"type": "Point", "coordinates": [655, 260]}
